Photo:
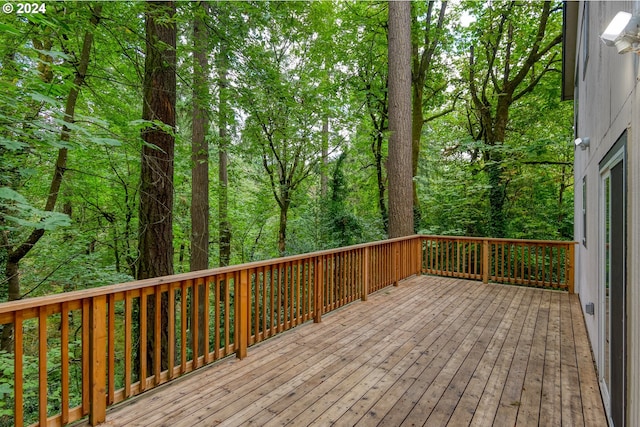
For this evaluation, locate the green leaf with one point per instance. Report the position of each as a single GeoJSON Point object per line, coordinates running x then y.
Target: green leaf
{"type": "Point", "coordinates": [38, 97]}
{"type": "Point", "coordinates": [50, 221]}
{"type": "Point", "coordinates": [5, 389]}
{"type": "Point", "coordinates": [26, 215]}
{"type": "Point", "coordinates": [110, 142]}
{"type": "Point", "coordinates": [12, 195]}
{"type": "Point", "coordinates": [11, 144]}
{"type": "Point", "coordinates": [8, 29]}
{"type": "Point", "coordinates": [54, 54]}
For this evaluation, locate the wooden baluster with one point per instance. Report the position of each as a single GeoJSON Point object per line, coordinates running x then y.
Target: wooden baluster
{"type": "Point", "coordinates": [288, 296]}
{"type": "Point", "coordinates": [18, 350]}
{"type": "Point", "coordinates": [171, 333]}
{"type": "Point", "coordinates": [143, 340]}
{"type": "Point", "coordinates": [547, 280]}
{"type": "Point", "coordinates": [522, 255]}
{"type": "Point", "coordinates": [216, 313]}
{"type": "Point", "coordinates": [128, 329]}
{"type": "Point", "coordinates": [310, 281]}
{"type": "Point", "coordinates": [111, 331]}
{"type": "Point", "coordinates": [485, 261]}
{"type": "Point", "coordinates": [559, 268]}
{"type": "Point", "coordinates": [157, 336]}
{"type": "Point", "coordinates": [227, 309]}
{"type": "Point", "coordinates": [570, 267]}
{"type": "Point", "coordinates": [64, 360]}
{"type": "Point", "coordinates": [254, 309]}
{"type": "Point", "coordinates": [318, 289]}
{"type": "Point", "coordinates": [396, 266]}
{"type": "Point", "coordinates": [98, 340]}
{"type": "Point", "coordinates": [261, 289]}
{"type": "Point", "coordinates": [366, 259]}
{"type": "Point", "coordinates": [183, 327]}
{"type": "Point", "coordinates": [86, 381]}
{"type": "Point", "coordinates": [42, 365]}
{"type": "Point", "coordinates": [510, 275]}
{"type": "Point", "coordinates": [272, 309]}
{"type": "Point", "coordinates": [299, 311]}
{"type": "Point", "coordinates": [207, 305]}
{"type": "Point", "coordinates": [502, 262]}
{"type": "Point", "coordinates": [195, 322]}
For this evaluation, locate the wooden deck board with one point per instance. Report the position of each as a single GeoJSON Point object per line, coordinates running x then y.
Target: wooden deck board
{"type": "Point", "coordinates": [433, 351]}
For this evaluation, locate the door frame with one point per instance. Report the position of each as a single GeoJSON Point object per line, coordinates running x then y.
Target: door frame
{"type": "Point", "coordinates": [615, 156]}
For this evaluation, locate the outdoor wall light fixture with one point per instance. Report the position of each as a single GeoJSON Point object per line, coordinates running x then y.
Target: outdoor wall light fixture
{"type": "Point", "coordinates": [623, 33]}
{"type": "Point", "coordinates": [583, 143]}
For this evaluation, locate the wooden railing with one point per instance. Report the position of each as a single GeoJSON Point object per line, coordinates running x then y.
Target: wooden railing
{"type": "Point", "coordinates": [538, 263]}
{"type": "Point", "coordinates": [91, 349]}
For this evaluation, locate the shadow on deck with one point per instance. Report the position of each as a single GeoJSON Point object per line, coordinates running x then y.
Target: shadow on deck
{"type": "Point", "coordinates": [433, 351]}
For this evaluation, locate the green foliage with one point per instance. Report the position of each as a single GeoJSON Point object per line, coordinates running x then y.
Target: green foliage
{"type": "Point", "coordinates": [292, 66]}
{"type": "Point", "coordinates": [342, 224]}
{"type": "Point", "coordinates": [15, 211]}
{"type": "Point", "coordinates": [30, 383]}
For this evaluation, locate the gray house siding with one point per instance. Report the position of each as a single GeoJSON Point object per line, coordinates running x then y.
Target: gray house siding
{"type": "Point", "coordinates": [607, 106]}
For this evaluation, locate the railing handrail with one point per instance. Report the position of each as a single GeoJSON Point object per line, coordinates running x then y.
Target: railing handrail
{"type": "Point", "coordinates": [35, 302]}
{"type": "Point", "coordinates": [501, 239]}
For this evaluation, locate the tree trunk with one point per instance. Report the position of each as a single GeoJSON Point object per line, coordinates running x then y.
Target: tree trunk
{"type": "Point", "coordinates": [417, 122]}
{"type": "Point", "coordinates": [497, 198]}
{"type": "Point", "coordinates": [223, 176]}
{"type": "Point", "coordinates": [155, 244]}
{"type": "Point", "coordinates": [495, 170]}
{"type": "Point", "coordinates": [282, 228]}
{"type": "Point", "coordinates": [199, 148]}
{"type": "Point", "coordinates": [200, 163]}
{"type": "Point", "coordinates": [15, 255]}
{"type": "Point", "coordinates": [382, 189]}
{"type": "Point", "coordinates": [324, 180]}
{"type": "Point", "coordinates": [156, 194]}
{"type": "Point", "coordinates": [399, 162]}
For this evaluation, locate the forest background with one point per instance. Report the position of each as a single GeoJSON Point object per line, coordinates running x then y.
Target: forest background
{"type": "Point", "coordinates": [283, 108]}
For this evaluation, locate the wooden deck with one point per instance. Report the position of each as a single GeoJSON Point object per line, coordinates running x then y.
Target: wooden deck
{"type": "Point", "coordinates": [432, 351]}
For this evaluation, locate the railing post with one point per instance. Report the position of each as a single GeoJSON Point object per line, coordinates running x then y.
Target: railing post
{"type": "Point", "coordinates": [570, 267]}
{"type": "Point", "coordinates": [485, 261]}
{"type": "Point", "coordinates": [366, 258]}
{"type": "Point", "coordinates": [318, 280]}
{"type": "Point", "coordinates": [97, 365]}
{"type": "Point", "coordinates": [242, 314]}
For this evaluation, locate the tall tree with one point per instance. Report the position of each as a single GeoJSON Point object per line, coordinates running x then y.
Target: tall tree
{"type": "Point", "coordinates": [399, 172]}
{"type": "Point", "coordinates": [199, 259]}
{"type": "Point", "coordinates": [281, 94]}
{"type": "Point", "coordinates": [224, 225]}
{"type": "Point", "coordinates": [199, 148]}
{"type": "Point", "coordinates": [155, 243]}
{"type": "Point", "coordinates": [367, 49]}
{"type": "Point", "coordinates": [506, 65]}
{"type": "Point", "coordinates": [16, 253]}
{"type": "Point", "coordinates": [156, 178]}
